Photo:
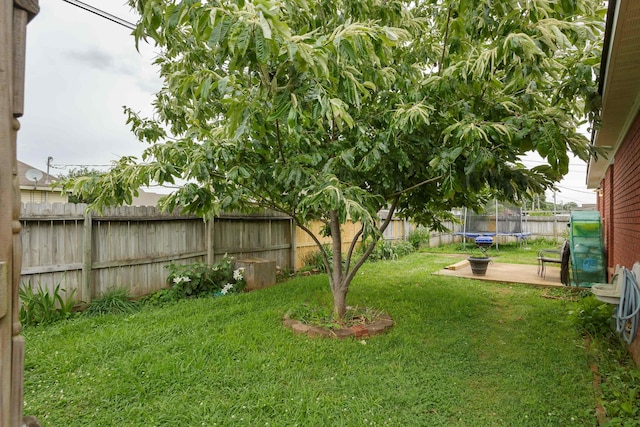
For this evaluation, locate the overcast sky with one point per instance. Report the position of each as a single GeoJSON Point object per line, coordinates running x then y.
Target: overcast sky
{"type": "Point", "coordinates": [81, 70]}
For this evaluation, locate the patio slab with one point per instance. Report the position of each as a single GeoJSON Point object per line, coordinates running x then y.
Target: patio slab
{"type": "Point", "coordinates": [507, 273]}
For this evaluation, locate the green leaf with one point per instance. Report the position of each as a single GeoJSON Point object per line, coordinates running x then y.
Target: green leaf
{"type": "Point", "coordinates": [264, 25]}
{"type": "Point", "coordinates": [262, 50]}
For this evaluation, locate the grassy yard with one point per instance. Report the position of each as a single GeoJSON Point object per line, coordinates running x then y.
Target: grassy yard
{"type": "Point", "coordinates": [462, 352]}
{"type": "Point", "coordinates": [506, 252]}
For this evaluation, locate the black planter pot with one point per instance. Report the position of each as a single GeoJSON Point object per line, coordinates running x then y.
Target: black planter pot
{"type": "Point", "coordinates": [479, 265]}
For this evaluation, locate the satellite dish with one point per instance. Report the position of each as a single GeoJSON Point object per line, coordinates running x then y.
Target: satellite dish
{"type": "Point", "coordinates": [33, 175]}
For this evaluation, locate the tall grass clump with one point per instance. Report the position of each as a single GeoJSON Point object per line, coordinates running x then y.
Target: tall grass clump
{"type": "Point", "coordinates": [114, 301]}
{"type": "Point", "coordinates": [42, 308]}
{"type": "Point", "coordinates": [314, 259]}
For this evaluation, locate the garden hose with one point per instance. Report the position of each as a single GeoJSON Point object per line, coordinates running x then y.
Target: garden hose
{"type": "Point", "coordinates": [627, 315]}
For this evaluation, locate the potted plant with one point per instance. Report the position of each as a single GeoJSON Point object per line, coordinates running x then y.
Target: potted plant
{"type": "Point", "coordinates": [479, 262]}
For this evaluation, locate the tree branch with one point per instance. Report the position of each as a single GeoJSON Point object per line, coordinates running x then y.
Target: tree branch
{"type": "Point", "coordinates": [279, 141]}
{"type": "Point", "coordinates": [352, 247]}
{"type": "Point", "coordinates": [336, 240]}
{"type": "Point", "coordinates": [399, 193]}
{"type": "Point", "coordinates": [350, 275]}
{"type": "Point", "coordinates": [444, 42]}
{"type": "Point", "coordinates": [325, 259]}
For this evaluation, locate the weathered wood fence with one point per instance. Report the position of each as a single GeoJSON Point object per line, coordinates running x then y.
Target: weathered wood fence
{"type": "Point", "coordinates": [130, 246]}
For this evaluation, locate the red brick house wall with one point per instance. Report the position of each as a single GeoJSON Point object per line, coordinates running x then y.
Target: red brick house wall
{"type": "Point", "coordinates": [620, 204]}
{"type": "Point", "coordinates": [619, 208]}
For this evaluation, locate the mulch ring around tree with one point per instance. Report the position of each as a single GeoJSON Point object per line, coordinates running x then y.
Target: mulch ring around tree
{"type": "Point", "coordinates": [382, 323]}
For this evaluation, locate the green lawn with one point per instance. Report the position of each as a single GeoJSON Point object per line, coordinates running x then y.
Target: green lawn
{"type": "Point", "coordinates": [462, 352]}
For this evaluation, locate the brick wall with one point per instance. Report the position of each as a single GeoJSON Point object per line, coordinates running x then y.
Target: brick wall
{"type": "Point", "coordinates": [619, 207]}
{"type": "Point", "coordinates": [624, 191]}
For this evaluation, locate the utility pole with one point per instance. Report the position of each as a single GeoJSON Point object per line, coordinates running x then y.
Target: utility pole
{"type": "Point", "coordinates": [14, 16]}
{"type": "Point", "coordinates": [49, 160]}
{"type": "Point", "coordinates": [47, 181]}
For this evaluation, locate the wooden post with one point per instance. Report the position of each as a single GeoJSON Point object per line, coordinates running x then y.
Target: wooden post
{"type": "Point", "coordinates": [14, 15]}
{"type": "Point", "coordinates": [87, 258]}
{"type": "Point", "coordinates": [211, 250]}
{"type": "Point", "coordinates": [294, 245]}
{"type": "Point", "coordinates": [17, 380]}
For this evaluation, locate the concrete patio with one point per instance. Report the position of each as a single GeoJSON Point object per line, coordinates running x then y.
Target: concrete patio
{"type": "Point", "coordinates": [507, 273]}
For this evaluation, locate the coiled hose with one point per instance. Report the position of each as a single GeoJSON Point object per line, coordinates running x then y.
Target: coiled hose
{"type": "Point", "coordinates": [627, 315]}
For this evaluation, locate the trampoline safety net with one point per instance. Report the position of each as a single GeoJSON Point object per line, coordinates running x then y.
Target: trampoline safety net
{"type": "Point", "coordinates": [505, 219]}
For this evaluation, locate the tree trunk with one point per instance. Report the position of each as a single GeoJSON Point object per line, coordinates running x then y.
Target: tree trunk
{"type": "Point", "coordinates": [338, 286]}
{"type": "Point", "coordinates": [340, 301]}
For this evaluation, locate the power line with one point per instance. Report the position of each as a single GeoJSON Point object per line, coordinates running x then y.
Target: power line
{"type": "Point", "coordinates": [101, 13]}
{"type": "Point", "coordinates": [577, 191]}
{"type": "Point", "coordinates": [544, 163]}
{"type": "Point", "coordinates": [79, 166]}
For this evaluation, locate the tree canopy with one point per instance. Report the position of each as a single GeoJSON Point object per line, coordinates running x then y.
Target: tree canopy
{"type": "Point", "coordinates": [331, 110]}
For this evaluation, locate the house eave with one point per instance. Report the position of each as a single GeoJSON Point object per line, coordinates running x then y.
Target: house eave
{"type": "Point", "coordinates": [620, 85]}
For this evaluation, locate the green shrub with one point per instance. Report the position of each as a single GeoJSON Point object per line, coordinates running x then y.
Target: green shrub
{"type": "Point", "coordinates": [594, 316]}
{"type": "Point", "coordinates": [389, 250]}
{"type": "Point", "coordinates": [42, 308]}
{"type": "Point", "coordinates": [200, 278]}
{"type": "Point", "coordinates": [419, 237]}
{"type": "Point", "coordinates": [316, 261]}
{"type": "Point", "coordinates": [114, 301]}
{"type": "Point", "coordinates": [161, 297]}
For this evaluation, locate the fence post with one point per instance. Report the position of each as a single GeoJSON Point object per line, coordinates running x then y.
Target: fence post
{"type": "Point", "coordinates": [87, 255]}
{"type": "Point", "coordinates": [211, 252]}
{"type": "Point", "coordinates": [294, 245]}
{"type": "Point", "coordinates": [14, 16]}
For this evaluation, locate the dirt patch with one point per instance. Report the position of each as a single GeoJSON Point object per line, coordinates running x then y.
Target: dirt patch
{"type": "Point", "coordinates": [377, 327]}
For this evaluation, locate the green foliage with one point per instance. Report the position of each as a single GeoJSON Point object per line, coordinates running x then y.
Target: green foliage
{"type": "Point", "coordinates": [621, 396]}
{"type": "Point", "coordinates": [91, 175]}
{"type": "Point", "coordinates": [594, 316]}
{"type": "Point", "coordinates": [419, 237]}
{"type": "Point", "coordinates": [42, 308]}
{"type": "Point", "coordinates": [200, 279]}
{"type": "Point", "coordinates": [334, 110]}
{"type": "Point", "coordinates": [391, 250]}
{"type": "Point", "coordinates": [620, 379]}
{"type": "Point", "coordinates": [315, 259]}
{"type": "Point", "coordinates": [113, 301]}
{"type": "Point", "coordinates": [161, 297]}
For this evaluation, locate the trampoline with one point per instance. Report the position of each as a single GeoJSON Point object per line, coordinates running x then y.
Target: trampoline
{"type": "Point", "coordinates": [504, 220]}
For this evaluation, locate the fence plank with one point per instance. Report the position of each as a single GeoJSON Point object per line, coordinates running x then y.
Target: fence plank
{"type": "Point", "coordinates": [87, 259]}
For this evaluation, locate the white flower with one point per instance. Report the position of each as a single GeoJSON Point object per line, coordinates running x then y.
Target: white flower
{"type": "Point", "coordinates": [226, 288]}
{"type": "Point", "coordinates": [238, 274]}
{"type": "Point", "coordinates": [181, 279]}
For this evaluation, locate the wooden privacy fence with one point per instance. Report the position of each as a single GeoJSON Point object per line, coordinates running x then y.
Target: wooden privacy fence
{"type": "Point", "coordinates": [130, 246]}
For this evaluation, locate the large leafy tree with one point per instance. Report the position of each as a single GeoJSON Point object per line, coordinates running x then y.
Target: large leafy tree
{"type": "Point", "coordinates": [331, 110]}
